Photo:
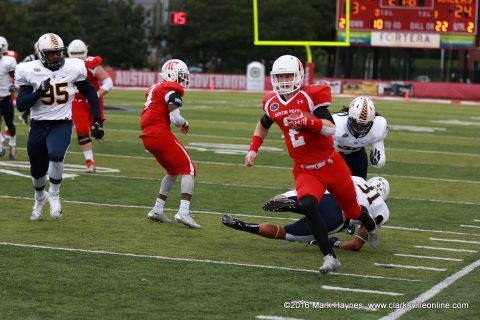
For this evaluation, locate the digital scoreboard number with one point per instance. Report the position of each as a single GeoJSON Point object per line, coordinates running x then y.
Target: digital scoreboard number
{"type": "Point", "coordinates": [419, 16]}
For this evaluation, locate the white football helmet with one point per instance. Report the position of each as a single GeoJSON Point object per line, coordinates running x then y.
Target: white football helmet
{"type": "Point", "coordinates": [361, 114]}
{"type": "Point", "coordinates": [287, 64]}
{"type": "Point", "coordinates": [176, 70]}
{"type": "Point", "coordinates": [382, 186]}
{"type": "Point", "coordinates": [48, 43]}
{"type": "Point", "coordinates": [3, 45]}
{"type": "Point", "coordinates": [77, 49]}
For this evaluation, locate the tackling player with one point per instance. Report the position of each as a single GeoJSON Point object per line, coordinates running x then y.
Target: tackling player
{"type": "Point", "coordinates": [307, 126]}
{"type": "Point", "coordinates": [357, 127]}
{"type": "Point", "coordinates": [7, 73]}
{"type": "Point", "coordinates": [47, 88]}
{"type": "Point", "coordinates": [162, 107]}
{"type": "Point", "coordinates": [81, 115]}
{"type": "Point", "coordinates": [372, 194]}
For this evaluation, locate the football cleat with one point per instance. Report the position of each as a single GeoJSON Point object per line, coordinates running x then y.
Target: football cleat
{"type": "Point", "coordinates": [351, 229]}
{"type": "Point", "coordinates": [55, 206]}
{"type": "Point", "coordinates": [158, 217]}
{"type": "Point", "coordinates": [330, 264]}
{"type": "Point", "coordinates": [2, 153]}
{"type": "Point", "coordinates": [373, 238]}
{"type": "Point", "coordinates": [187, 220]}
{"type": "Point", "coordinates": [279, 203]}
{"type": "Point", "coordinates": [91, 168]}
{"type": "Point", "coordinates": [12, 156]}
{"type": "Point", "coordinates": [38, 208]}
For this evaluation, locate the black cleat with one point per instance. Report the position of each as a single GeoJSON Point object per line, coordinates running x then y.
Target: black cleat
{"type": "Point", "coordinates": [351, 229]}
{"type": "Point", "coordinates": [279, 204]}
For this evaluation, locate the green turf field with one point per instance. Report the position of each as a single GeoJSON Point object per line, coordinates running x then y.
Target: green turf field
{"type": "Point", "coordinates": [105, 260]}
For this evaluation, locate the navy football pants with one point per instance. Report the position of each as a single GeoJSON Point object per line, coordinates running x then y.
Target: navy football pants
{"type": "Point", "coordinates": [48, 140]}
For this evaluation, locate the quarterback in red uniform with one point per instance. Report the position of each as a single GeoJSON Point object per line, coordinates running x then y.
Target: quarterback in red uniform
{"type": "Point", "coordinates": [307, 126]}
{"type": "Point", "coordinates": [162, 107]}
{"type": "Point", "coordinates": [81, 115]}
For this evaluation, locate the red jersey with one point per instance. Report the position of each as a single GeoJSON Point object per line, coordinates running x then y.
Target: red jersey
{"type": "Point", "coordinates": [304, 146]}
{"type": "Point", "coordinates": [11, 53]}
{"type": "Point", "coordinates": [155, 114]}
{"type": "Point", "coordinates": [91, 63]}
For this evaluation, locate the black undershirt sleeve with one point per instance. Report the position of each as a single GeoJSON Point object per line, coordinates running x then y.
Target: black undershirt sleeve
{"type": "Point", "coordinates": [266, 121]}
{"type": "Point", "coordinates": [323, 113]}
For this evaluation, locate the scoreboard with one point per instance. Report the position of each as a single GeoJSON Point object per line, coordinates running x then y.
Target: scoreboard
{"type": "Point", "coordinates": [432, 16]}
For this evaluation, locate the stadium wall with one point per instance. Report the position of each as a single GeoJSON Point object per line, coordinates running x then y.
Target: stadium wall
{"type": "Point", "coordinates": [461, 91]}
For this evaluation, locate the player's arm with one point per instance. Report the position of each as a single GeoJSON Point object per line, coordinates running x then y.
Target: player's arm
{"type": "Point", "coordinates": [354, 244]}
{"type": "Point", "coordinates": [174, 102]}
{"type": "Point", "coordinates": [89, 92]}
{"type": "Point", "coordinates": [377, 154]}
{"type": "Point", "coordinates": [27, 97]}
{"type": "Point", "coordinates": [321, 121]}
{"type": "Point", "coordinates": [106, 83]}
{"type": "Point", "coordinates": [260, 133]}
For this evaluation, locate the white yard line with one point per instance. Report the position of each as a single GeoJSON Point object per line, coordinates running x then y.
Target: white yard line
{"type": "Point", "coordinates": [445, 249]}
{"type": "Point", "coordinates": [389, 265]}
{"type": "Point", "coordinates": [429, 230]}
{"type": "Point", "coordinates": [476, 220]}
{"type": "Point", "coordinates": [425, 257]}
{"type": "Point", "coordinates": [248, 265]}
{"type": "Point", "coordinates": [387, 293]}
{"type": "Point", "coordinates": [469, 226]}
{"type": "Point", "coordinates": [235, 214]}
{"type": "Point", "coordinates": [455, 240]}
{"type": "Point", "coordinates": [433, 291]}
{"type": "Point", "coordinates": [275, 318]}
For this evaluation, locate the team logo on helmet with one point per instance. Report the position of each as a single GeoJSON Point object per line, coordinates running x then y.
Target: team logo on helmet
{"type": "Point", "coordinates": [274, 107]}
{"type": "Point", "coordinates": [171, 65]}
{"type": "Point", "coordinates": [364, 113]}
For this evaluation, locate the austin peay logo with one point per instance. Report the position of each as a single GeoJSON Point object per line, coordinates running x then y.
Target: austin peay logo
{"type": "Point", "coordinates": [171, 64]}
{"type": "Point", "coordinates": [274, 107]}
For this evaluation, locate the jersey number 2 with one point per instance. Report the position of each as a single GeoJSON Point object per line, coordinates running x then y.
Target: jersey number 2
{"type": "Point", "coordinates": [297, 140]}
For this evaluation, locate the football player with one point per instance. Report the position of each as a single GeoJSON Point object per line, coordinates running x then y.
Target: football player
{"type": "Point", "coordinates": [7, 73]}
{"type": "Point", "coordinates": [81, 115]}
{"type": "Point", "coordinates": [359, 126]}
{"type": "Point", "coordinates": [302, 114]}
{"type": "Point", "coordinates": [372, 194]}
{"type": "Point", "coordinates": [47, 88]}
{"type": "Point", "coordinates": [162, 107]}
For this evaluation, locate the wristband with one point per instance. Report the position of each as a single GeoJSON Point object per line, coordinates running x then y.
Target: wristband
{"type": "Point", "coordinates": [256, 143]}
{"type": "Point", "coordinates": [314, 124]}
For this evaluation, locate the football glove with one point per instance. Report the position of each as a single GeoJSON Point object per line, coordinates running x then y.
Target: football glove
{"type": "Point", "coordinates": [296, 120]}
{"type": "Point", "coordinates": [43, 87]}
{"type": "Point", "coordinates": [334, 242]}
{"type": "Point", "coordinates": [374, 156]}
{"type": "Point", "coordinates": [97, 129]}
{"type": "Point", "coordinates": [184, 129]}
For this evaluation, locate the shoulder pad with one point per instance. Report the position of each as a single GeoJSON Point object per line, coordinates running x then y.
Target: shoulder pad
{"type": "Point", "coordinates": [268, 96]}
{"type": "Point", "coordinates": [380, 128]}
{"type": "Point", "coordinates": [93, 62]}
{"type": "Point", "coordinates": [320, 94]}
{"type": "Point", "coordinates": [170, 85]}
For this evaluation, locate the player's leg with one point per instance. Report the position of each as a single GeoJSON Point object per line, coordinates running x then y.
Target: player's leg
{"type": "Point", "coordinates": [38, 156]}
{"type": "Point", "coordinates": [81, 116]}
{"type": "Point", "coordinates": [310, 190]}
{"type": "Point", "coordinates": [357, 162]}
{"type": "Point", "coordinates": [156, 214]}
{"type": "Point", "coordinates": [340, 184]}
{"type": "Point", "coordinates": [8, 114]}
{"type": "Point", "coordinates": [58, 140]}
